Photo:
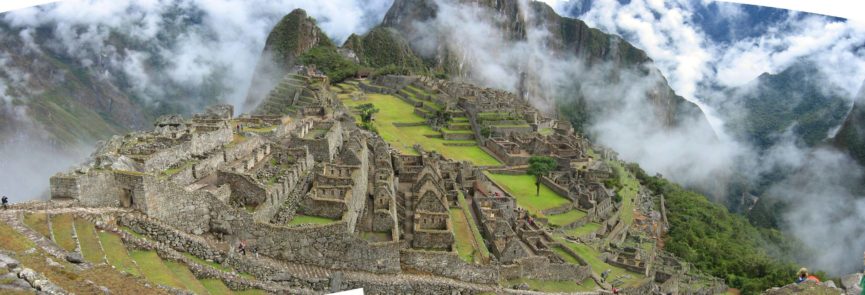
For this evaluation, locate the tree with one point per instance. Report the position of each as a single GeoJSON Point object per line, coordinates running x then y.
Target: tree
{"type": "Point", "coordinates": [540, 166]}
{"type": "Point", "coordinates": [367, 110]}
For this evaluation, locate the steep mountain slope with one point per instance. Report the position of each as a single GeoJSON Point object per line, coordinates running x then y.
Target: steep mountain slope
{"type": "Point", "coordinates": [851, 136]}
{"type": "Point", "coordinates": [797, 98]}
{"type": "Point", "coordinates": [294, 35]}
{"type": "Point", "coordinates": [535, 25]}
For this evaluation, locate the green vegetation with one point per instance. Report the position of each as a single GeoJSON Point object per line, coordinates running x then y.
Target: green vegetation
{"type": "Point", "coordinates": [207, 263]}
{"type": "Point", "coordinates": [792, 99]}
{"type": "Point", "coordinates": [485, 253]}
{"type": "Point", "coordinates": [584, 230]}
{"type": "Point", "coordinates": [565, 218]}
{"type": "Point", "coordinates": [116, 253]}
{"type": "Point", "coordinates": [520, 186]}
{"type": "Point", "coordinates": [565, 255]}
{"type": "Point", "coordinates": [366, 111]}
{"type": "Point", "coordinates": [306, 219]}
{"type": "Point", "coordinates": [185, 277]}
{"type": "Point", "coordinates": [329, 61]}
{"type": "Point", "coordinates": [465, 239]}
{"type": "Point", "coordinates": [628, 186]}
{"type": "Point", "coordinates": [394, 110]}
{"type": "Point", "coordinates": [540, 166]}
{"type": "Point", "coordinates": [385, 49]}
{"type": "Point", "coordinates": [593, 258]}
{"type": "Point", "coordinates": [215, 287]}
{"type": "Point", "coordinates": [62, 226]}
{"type": "Point", "coordinates": [154, 270]}
{"type": "Point", "coordinates": [549, 286]}
{"type": "Point", "coordinates": [90, 248]}
{"type": "Point", "coordinates": [720, 243]}
{"type": "Point", "coordinates": [293, 33]}
{"type": "Point", "coordinates": [38, 222]}
{"type": "Point", "coordinates": [12, 240]}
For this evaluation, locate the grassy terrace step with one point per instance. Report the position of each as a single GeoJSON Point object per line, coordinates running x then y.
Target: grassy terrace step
{"type": "Point", "coordinates": [186, 278]}
{"type": "Point", "coordinates": [215, 287]}
{"type": "Point", "coordinates": [522, 187]}
{"type": "Point", "coordinates": [394, 109]}
{"type": "Point", "coordinates": [38, 222]}
{"type": "Point", "coordinates": [89, 241]}
{"type": "Point", "coordinates": [593, 258]}
{"type": "Point", "coordinates": [464, 238]}
{"type": "Point", "coordinates": [305, 219]}
{"type": "Point", "coordinates": [565, 218]}
{"type": "Point", "coordinates": [116, 253]}
{"type": "Point", "coordinates": [154, 270]}
{"type": "Point", "coordinates": [584, 230]}
{"type": "Point", "coordinates": [62, 226]}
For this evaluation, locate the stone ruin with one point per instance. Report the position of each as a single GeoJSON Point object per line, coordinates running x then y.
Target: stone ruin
{"type": "Point", "coordinates": [302, 184]}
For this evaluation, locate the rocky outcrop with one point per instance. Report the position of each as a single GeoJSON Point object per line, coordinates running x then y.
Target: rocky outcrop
{"type": "Point", "coordinates": [293, 36]}
{"type": "Point", "coordinates": [806, 288]}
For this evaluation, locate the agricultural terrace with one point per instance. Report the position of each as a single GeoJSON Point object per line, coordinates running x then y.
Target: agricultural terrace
{"type": "Point", "coordinates": [394, 110]}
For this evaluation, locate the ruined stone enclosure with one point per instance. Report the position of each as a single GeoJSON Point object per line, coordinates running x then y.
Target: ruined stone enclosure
{"type": "Point", "coordinates": [319, 204]}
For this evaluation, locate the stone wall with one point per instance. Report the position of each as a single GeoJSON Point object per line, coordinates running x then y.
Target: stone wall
{"type": "Point", "coordinates": [540, 268]}
{"type": "Point", "coordinates": [244, 189]}
{"type": "Point", "coordinates": [179, 241]}
{"type": "Point", "coordinates": [328, 245]}
{"type": "Point", "coordinates": [448, 264]}
{"type": "Point", "coordinates": [170, 203]}
{"type": "Point", "coordinates": [556, 187]}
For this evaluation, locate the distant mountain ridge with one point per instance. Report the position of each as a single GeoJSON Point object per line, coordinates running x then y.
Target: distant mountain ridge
{"type": "Point", "coordinates": [797, 98]}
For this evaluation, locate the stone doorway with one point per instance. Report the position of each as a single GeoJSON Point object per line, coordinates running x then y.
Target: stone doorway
{"type": "Point", "coordinates": [126, 198]}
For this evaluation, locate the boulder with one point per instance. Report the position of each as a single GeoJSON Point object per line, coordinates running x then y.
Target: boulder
{"type": "Point", "coordinates": [75, 257]}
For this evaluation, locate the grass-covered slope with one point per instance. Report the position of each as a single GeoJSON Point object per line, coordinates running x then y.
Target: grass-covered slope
{"type": "Point", "coordinates": [721, 243]}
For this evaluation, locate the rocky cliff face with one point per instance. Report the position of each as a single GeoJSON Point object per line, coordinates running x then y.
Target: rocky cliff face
{"type": "Point", "coordinates": [293, 36]}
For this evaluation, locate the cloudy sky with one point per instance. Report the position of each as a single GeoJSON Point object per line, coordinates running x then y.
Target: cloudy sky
{"type": "Point", "coordinates": [699, 44]}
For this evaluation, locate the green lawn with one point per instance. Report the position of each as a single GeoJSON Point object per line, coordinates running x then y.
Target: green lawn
{"type": "Point", "coordinates": [62, 226]}
{"type": "Point", "coordinates": [485, 253]}
{"type": "Point", "coordinates": [215, 287]}
{"type": "Point", "coordinates": [464, 237]}
{"type": "Point", "coordinates": [565, 218]}
{"type": "Point", "coordinates": [522, 187]}
{"type": "Point", "coordinates": [393, 109]}
{"type": "Point", "coordinates": [116, 253]}
{"type": "Point", "coordinates": [546, 131]}
{"type": "Point", "coordinates": [566, 256]}
{"type": "Point", "coordinates": [592, 257]}
{"type": "Point", "coordinates": [630, 187]}
{"type": "Point", "coordinates": [90, 248]}
{"type": "Point", "coordinates": [305, 219]}
{"type": "Point", "coordinates": [584, 230]}
{"type": "Point", "coordinates": [154, 270]}
{"type": "Point", "coordinates": [186, 278]}
{"type": "Point", "coordinates": [38, 222]}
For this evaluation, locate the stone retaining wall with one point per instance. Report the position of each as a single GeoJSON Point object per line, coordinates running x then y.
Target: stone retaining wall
{"type": "Point", "coordinates": [448, 264]}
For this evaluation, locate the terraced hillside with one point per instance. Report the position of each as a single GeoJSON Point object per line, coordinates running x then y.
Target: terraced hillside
{"type": "Point", "coordinates": [400, 125]}
{"type": "Point", "coordinates": [106, 252]}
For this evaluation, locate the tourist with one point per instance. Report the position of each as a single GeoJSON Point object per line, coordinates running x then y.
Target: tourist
{"type": "Point", "coordinates": [5, 203]}
{"type": "Point", "coordinates": [802, 276]}
{"type": "Point", "coordinates": [241, 248]}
